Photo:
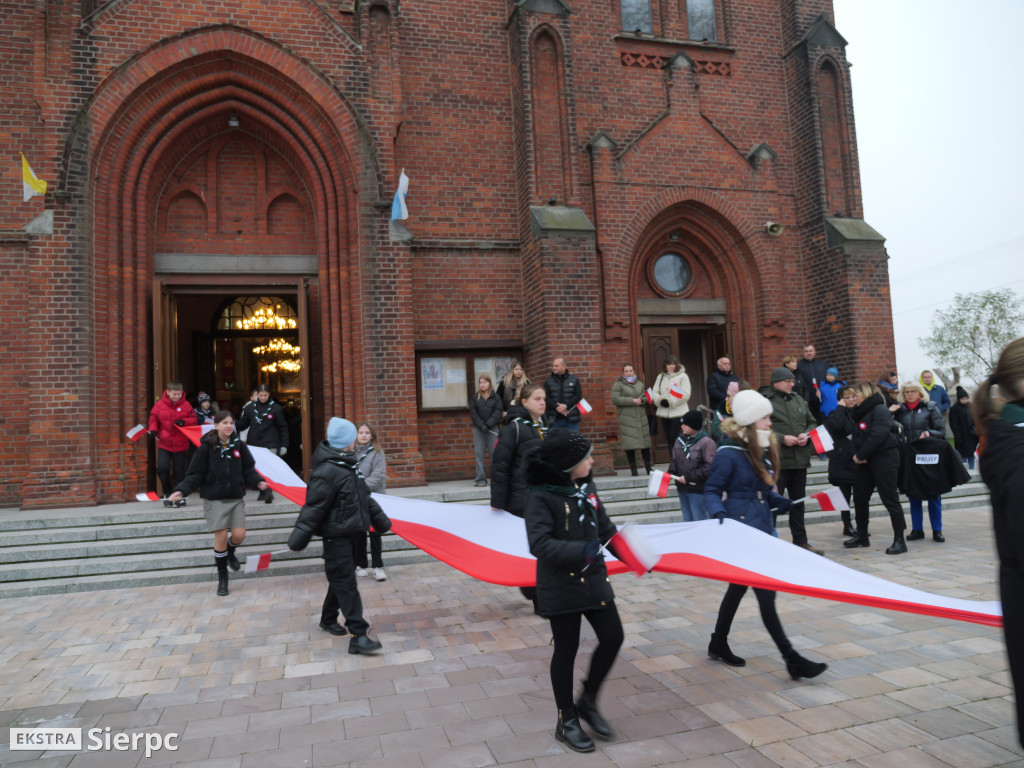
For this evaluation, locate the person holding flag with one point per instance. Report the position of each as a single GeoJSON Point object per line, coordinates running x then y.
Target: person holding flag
{"type": "Point", "coordinates": [744, 471]}
{"type": "Point", "coordinates": [671, 393]}
{"type": "Point", "coordinates": [220, 469]}
{"type": "Point", "coordinates": [564, 393]}
{"type": "Point", "coordinates": [691, 463]}
{"type": "Point", "coordinates": [566, 525]}
{"type": "Point", "coordinates": [634, 431]}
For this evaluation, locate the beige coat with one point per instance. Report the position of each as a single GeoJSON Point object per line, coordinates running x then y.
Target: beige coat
{"type": "Point", "coordinates": [661, 388]}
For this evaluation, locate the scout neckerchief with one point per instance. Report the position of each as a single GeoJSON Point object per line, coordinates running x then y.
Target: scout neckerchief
{"type": "Point", "coordinates": [538, 426]}
{"type": "Point", "coordinates": [688, 443]}
{"type": "Point", "coordinates": [347, 463]}
{"type": "Point", "coordinates": [256, 411]}
{"type": "Point", "coordinates": [577, 492]}
{"type": "Point", "coordinates": [230, 448]}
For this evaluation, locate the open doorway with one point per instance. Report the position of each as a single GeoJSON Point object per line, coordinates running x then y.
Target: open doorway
{"type": "Point", "coordinates": [697, 346]}
{"type": "Point", "coordinates": [226, 341]}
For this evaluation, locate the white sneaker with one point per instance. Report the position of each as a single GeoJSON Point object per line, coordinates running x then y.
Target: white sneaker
{"type": "Point", "coordinates": [379, 575]}
{"type": "Point", "coordinates": [361, 571]}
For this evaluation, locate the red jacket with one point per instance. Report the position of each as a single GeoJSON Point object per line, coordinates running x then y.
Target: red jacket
{"type": "Point", "coordinates": [162, 418]}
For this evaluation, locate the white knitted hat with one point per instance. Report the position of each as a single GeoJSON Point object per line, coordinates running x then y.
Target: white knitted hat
{"type": "Point", "coordinates": [748, 406]}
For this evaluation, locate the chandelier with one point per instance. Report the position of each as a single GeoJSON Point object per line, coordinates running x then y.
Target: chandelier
{"type": "Point", "coordinates": [265, 318]}
{"type": "Point", "coordinates": [280, 355]}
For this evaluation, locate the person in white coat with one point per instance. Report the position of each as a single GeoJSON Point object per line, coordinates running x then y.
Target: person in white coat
{"type": "Point", "coordinates": [671, 407]}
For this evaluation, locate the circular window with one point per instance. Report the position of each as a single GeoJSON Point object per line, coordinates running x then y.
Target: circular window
{"type": "Point", "coordinates": [672, 273]}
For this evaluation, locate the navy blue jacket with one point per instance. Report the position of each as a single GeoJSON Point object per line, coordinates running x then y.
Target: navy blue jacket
{"type": "Point", "coordinates": [749, 500]}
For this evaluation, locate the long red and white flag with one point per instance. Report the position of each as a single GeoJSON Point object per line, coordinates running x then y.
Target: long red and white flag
{"type": "Point", "coordinates": [658, 483]}
{"type": "Point", "coordinates": [822, 440]}
{"type": "Point", "coordinates": [831, 500]}
{"type": "Point", "coordinates": [492, 546]}
{"type": "Point", "coordinates": [632, 548]}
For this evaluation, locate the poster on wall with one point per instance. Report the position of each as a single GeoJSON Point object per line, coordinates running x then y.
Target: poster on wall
{"type": "Point", "coordinates": [455, 376]}
{"type": "Point", "coordinates": [432, 372]}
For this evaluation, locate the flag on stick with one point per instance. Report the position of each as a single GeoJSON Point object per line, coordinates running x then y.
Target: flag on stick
{"type": "Point", "coordinates": [649, 395]}
{"type": "Point", "coordinates": [632, 549]}
{"type": "Point", "coordinates": [31, 184]}
{"type": "Point", "coordinates": [658, 483]}
{"type": "Point", "coordinates": [676, 390]}
{"type": "Point", "coordinates": [822, 440]}
{"type": "Point", "coordinates": [255, 563]}
{"type": "Point", "coordinates": [583, 407]}
{"type": "Point", "coordinates": [147, 496]}
{"type": "Point", "coordinates": [398, 208]}
{"type": "Point", "coordinates": [136, 432]}
{"type": "Point", "coordinates": [831, 500]}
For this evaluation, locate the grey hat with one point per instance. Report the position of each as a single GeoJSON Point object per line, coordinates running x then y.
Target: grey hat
{"type": "Point", "coordinates": [781, 374]}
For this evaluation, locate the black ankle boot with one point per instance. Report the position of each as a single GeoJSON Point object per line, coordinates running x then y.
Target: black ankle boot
{"type": "Point", "coordinates": [848, 530]}
{"type": "Point", "coordinates": [586, 708]}
{"type": "Point", "coordinates": [914, 535]}
{"type": "Point", "coordinates": [899, 546]}
{"type": "Point", "coordinates": [233, 563]}
{"type": "Point", "coordinates": [647, 460]}
{"type": "Point", "coordinates": [222, 573]}
{"type": "Point", "coordinates": [799, 667]}
{"type": "Point", "coordinates": [571, 733]}
{"type": "Point", "coordinates": [860, 539]}
{"type": "Point", "coordinates": [718, 649]}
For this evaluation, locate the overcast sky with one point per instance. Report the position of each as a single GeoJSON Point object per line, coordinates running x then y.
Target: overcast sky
{"type": "Point", "coordinates": [937, 97]}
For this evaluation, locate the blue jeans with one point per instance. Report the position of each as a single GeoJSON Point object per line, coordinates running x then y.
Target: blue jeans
{"type": "Point", "coordinates": [563, 423]}
{"type": "Point", "coordinates": [692, 505]}
{"type": "Point", "coordinates": [969, 461]}
{"type": "Point", "coordinates": [934, 513]}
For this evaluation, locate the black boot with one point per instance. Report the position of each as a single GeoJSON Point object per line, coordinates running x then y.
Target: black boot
{"type": "Point", "coordinates": [222, 573]}
{"type": "Point", "coordinates": [718, 648]}
{"type": "Point", "coordinates": [269, 498]}
{"type": "Point", "coordinates": [914, 535]}
{"type": "Point", "coordinates": [233, 563]}
{"type": "Point", "coordinates": [646, 454]}
{"type": "Point", "coordinates": [362, 644]}
{"type": "Point", "coordinates": [799, 667]}
{"type": "Point", "coordinates": [899, 546]}
{"type": "Point", "coordinates": [849, 530]}
{"type": "Point", "coordinates": [571, 733]}
{"type": "Point", "coordinates": [860, 539]}
{"type": "Point", "coordinates": [586, 707]}
{"type": "Point", "coordinates": [631, 458]}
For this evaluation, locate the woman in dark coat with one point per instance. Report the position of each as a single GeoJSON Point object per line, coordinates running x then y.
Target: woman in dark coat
{"type": "Point", "coordinates": [842, 472]}
{"type": "Point", "coordinates": [566, 525]}
{"type": "Point", "coordinates": [485, 409]}
{"type": "Point", "coordinates": [921, 419]}
{"type": "Point", "coordinates": [220, 469]}
{"type": "Point", "coordinates": [268, 427]}
{"type": "Point", "coordinates": [999, 415]}
{"type": "Point", "coordinates": [525, 423]}
{"type": "Point", "coordinates": [961, 424]}
{"type": "Point", "coordinates": [743, 471]}
{"type": "Point", "coordinates": [877, 456]}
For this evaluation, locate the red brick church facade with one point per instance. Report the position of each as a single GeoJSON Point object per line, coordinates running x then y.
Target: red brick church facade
{"type": "Point", "coordinates": [593, 179]}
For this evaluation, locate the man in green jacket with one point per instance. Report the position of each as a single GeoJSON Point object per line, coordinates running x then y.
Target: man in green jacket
{"type": "Point", "coordinates": [791, 422]}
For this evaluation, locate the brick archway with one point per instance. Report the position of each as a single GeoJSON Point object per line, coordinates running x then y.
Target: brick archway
{"type": "Point", "coordinates": [143, 123]}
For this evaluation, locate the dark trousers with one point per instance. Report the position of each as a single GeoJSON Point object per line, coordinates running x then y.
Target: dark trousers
{"type": "Point", "coordinates": [793, 484]}
{"type": "Point", "coordinates": [376, 547]}
{"type": "Point", "coordinates": [847, 490]}
{"type": "Point", "coordinates": [769, 616]}
{"type": "Point", "coordinates": [170, 463]}
{"type": "Point", "coordinates": [880, 473]}
{"type": "Point", "coordinates": [671, 428]}
{"type": "Point", "coordinates": [342, 591]}
{"type": "Point", "coordinates": [565, 630]}
{"type": "Point", "coordinates": [1011, 592]}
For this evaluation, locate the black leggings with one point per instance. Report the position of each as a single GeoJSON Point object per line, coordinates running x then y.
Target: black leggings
{"type": "Point", "coordinates": [766, 602]}
{"type": "Point", "coordinates": [565, 630]}
{"type": "Point", "coordinates": [879, 472]}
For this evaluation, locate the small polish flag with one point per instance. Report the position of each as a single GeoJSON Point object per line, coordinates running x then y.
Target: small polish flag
{"type": "Point", "coordinates": [584, 407]}
{"type": "Point", "coordinates": [147, 496]}
{"type": "Point", "coordinates": [258, 562]}
{"type": "Point", "coordinates": [831, 500]}
{"type": "Point", "coordinates": [632, 549]}
{"type": "Point", "coordinates": [649, 395]}
{"type": "Point", "coordinates": [136, 432]}
{"type": "Point", "coordinates": [659, 483]}
{"type": "Point", "coordinates": [675, 391]}
{"type": "Point", "coordinates": [823, 442]}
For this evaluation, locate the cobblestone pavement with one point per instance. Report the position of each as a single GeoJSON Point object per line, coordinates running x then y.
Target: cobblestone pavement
{"type": "Point", "coordinates": [250, 680]}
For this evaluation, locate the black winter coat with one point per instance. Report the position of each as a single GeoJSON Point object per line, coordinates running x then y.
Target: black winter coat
{"type": "Point", "coordinates": [872, 428]}
{"type": "Point", "coordinates": [267, 425]}
{"type": "Point", "coordinates": [841, 469]}
{"type": "Point", "coordinates": [925, 418]}
{"type": "Point", "coordinates": [217, 473]}
{"type": "Point", "coordinates": [563, 389]}
{"type": "Point", "coordinates": [507, 482]}
{"type": "Point", "coordinates": [338, 502]}
{"type": "Point", "coordinates": [812, 372]}
{"type": "Point", "coordinates": [718, 386]}
{"type": "Point", "coordinates": [961, 424]}
{"type": "Point", "coordinates": [1001, 463]}
{"type": "Point", "coordinates": [558, 526]}
{"type": "Point", "coordinates": [485, 413]}
{"type": "Point", "coordinates": [929, 467]}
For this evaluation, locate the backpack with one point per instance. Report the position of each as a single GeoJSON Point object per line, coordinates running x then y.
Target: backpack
{"type": "Point", "coordinates": [897, 430]}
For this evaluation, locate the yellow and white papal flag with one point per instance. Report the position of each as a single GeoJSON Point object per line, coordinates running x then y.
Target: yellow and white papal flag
{"type": "Point", "coordinates": [33, 185]}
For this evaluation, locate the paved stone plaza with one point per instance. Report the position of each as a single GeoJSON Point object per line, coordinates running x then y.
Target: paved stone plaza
{"type": "Point", "coordinates": [250, 680]}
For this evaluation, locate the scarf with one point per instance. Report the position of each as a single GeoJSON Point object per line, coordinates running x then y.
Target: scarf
{"type": "Point", "coordinates": [541, 429]}
{"type": "Point", "coordinates": [630, 379]}
{"type": "Point", "coordinates": [256, 410]}
{"type": "Point", "coordinates": [229, 449]}
{"type": "Point", "coordinates": [346, 463]}
{"type": "Point", "coordinates": [928, 387]}
{"type": "Point", "coordinates": [576, 492]}
{"type": "Point", "coordinates": [688, 442]}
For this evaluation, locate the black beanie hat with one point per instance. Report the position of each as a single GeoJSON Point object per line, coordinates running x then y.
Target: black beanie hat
{"type": "Point", "coordinates": [565, 448]}
{"type": "Point", "coordinates": [961, 393]}
{"type": "Point", "coordinates": [693, 420]}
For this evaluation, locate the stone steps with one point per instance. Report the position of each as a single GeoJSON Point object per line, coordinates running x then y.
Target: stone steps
{"type": "Point", "coordinates": [142, 543]}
